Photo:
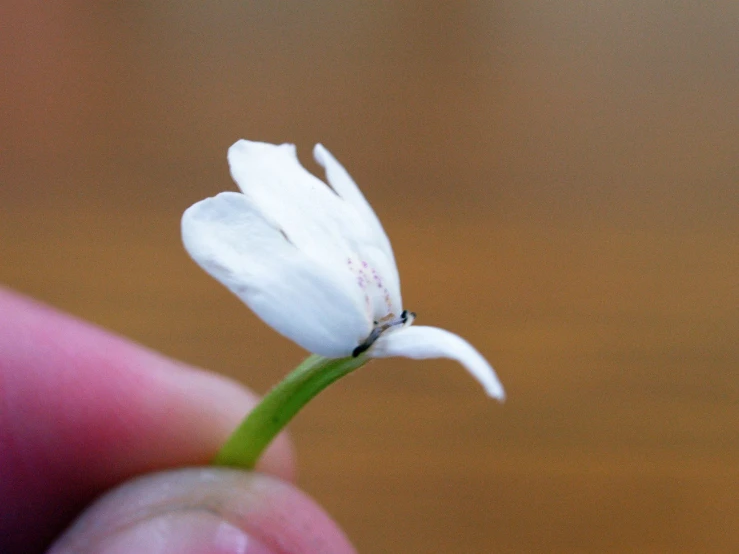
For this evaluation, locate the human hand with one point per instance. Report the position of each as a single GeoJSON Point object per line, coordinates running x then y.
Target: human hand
{"type": "Point", "coordinates": [82, 411]}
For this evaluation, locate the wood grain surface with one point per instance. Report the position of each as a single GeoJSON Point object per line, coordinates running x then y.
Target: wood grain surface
{"type": "Point", "coordinates": [559, 181]}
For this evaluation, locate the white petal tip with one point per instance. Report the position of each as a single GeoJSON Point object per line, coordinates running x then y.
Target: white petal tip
{"type": "Point", "coordinates": [495, 390]}
{"type": "Point", "coordinates": [243, 150]}
{"type": "Point", "coordinates": [422, 342]}
{"type": "Point", "coordinates": [319, 154]}
{"type": "Point", "coordinates": [238, 147]}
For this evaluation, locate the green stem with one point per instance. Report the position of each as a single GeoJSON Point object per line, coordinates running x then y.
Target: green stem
{"type": "Point", "coordinates": [277, 408]}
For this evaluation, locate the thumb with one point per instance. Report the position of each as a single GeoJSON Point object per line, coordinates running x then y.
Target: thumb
{"type": "Point", "coordinates": [203, 511]}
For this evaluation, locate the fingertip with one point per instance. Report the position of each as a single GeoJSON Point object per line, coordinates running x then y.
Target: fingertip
{"type": "Point", "coordinates": [83, 410]}
{"type": "Point", "coordinates": [204, 510]}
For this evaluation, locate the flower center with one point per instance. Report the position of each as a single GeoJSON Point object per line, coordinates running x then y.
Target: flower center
{"type": "Point", "coordinates": [389, 322]}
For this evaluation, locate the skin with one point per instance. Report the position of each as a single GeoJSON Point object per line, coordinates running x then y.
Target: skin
{"type": "Point", "coordinates": [85, 414]}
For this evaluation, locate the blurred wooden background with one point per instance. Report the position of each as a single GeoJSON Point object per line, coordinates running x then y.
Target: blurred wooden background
{"type": "Point", "coordinates": [559, 180]}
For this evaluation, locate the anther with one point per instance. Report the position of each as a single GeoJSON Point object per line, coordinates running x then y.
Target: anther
{"type": "Point", "coordinates": [405, 318]}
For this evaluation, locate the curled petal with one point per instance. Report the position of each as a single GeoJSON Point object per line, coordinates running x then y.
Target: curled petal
{"type": "Point", "coordinates": [302, 299]}
{"type": "Point", "coordinates": [421, 342]}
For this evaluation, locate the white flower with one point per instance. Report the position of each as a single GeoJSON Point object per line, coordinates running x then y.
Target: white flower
{"type": "Point", "coordinates": [314, 261]}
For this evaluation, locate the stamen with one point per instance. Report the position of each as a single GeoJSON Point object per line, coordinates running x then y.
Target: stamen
{"type": "Point", "coordinates": [405, 318]}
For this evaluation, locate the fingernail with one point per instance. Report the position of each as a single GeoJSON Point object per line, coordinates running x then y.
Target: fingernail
{"type": "Point", "coordinates": [186, 532]}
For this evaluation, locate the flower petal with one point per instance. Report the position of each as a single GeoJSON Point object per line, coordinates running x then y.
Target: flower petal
{"type": "Point", "coordinates": [421, 342]}
{"type": "Point", "coordinates": [291, 198]}
{"type": "Point", "coordinates": [326, 225]}
{"type": "Point", "coordinates": [346, 188]}
{"type": "Point", "coordinates": [319, 309]}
